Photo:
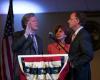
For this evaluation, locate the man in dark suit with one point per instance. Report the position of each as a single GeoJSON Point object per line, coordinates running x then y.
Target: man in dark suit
{"type": "Point", "coordinates": [81, 51]}
{"type": "Point", "coordinates": [26, 42]}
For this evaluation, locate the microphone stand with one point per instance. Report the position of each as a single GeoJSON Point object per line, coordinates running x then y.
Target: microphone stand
{"type": "Point", "coordinates": [59, 44]}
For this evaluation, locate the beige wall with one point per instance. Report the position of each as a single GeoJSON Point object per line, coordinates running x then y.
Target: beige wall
{"type": "Point", "coordinates": [95, 66]}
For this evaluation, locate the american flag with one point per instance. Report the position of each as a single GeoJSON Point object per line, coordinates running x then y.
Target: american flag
{"type": "Point", "coordinates": [7, 55]}
{"type": "Point", "coordinates": [43, 67]}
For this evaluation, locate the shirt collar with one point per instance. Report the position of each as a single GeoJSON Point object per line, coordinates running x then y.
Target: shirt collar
{"type": "Point", "coordinates": [33, 33]}
{"type": "Point", "coordinates": [76, 32]}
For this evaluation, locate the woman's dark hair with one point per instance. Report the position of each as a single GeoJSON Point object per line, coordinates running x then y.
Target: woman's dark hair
{"type": "Point", "coordinates": [66, 31]}
{"type": "Point", "coordinates": [62, 27]}
{"type": "Point", "coordinates": [26, 18]}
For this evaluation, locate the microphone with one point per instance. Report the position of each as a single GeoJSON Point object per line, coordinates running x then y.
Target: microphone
{"type": "Point", "coordinates": [52, 36]}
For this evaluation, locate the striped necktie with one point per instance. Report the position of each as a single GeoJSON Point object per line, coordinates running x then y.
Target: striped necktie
{"type": "Point", "coordinates": [73, 36]}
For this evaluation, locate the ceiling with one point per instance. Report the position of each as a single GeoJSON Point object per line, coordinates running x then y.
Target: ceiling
{"type": "Point", "coordinates": [46, 6]}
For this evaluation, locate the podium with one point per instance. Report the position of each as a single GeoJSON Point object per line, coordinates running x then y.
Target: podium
{"type": "Point", "coordinates": [43, 67]}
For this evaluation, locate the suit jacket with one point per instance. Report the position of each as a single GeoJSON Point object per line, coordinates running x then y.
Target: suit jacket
{"type": "Point", "coordinates": [23, 46]}
{"type": "Point", "coordinates": [80, 55]}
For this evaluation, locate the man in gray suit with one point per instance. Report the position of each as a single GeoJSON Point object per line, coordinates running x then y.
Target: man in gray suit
{"type": "Point", "coordinates": [81, 51]}
{"type": "Point", "coordinates": [26, 42]}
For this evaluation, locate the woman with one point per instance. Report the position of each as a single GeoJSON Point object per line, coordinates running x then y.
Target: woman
{"type": "Point", "coordinates": [61, 46]}
{"type": "Point", "coordinates": [61, 35]}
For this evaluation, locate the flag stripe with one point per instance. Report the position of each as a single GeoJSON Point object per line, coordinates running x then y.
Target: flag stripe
{"type": "Point", "coordinates": [42, 63]}
{"type": "Point", "coordinates": [6, 61]}
{"type": "Point", "coordinates": [38, 59]}
{"type": "Point", "coordinates": [42, 77]}
{"type": "Point", "coordinates": [8, 45]}
{"type": "Point", "coordinates": [39, 71]}
{"type": "Point", "coordinates": [10, 42]}
{"type": "Point", "coordinates": [3, 69]}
